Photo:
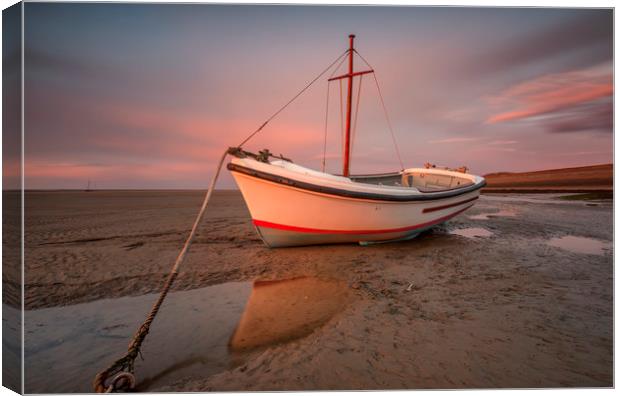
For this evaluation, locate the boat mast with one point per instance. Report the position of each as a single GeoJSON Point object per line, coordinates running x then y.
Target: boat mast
{"type": "Point", "coordinates": [349, 76]}
{"type": "Point", "coordinates": [347, 139]}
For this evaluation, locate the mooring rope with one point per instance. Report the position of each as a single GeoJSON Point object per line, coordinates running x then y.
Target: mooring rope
{"type": "Point", "coordinates": [292, 100]}
{"type": "Point", "coordinates": [119, 375]}
{"type": "Point", "coordinates": [122, 369]}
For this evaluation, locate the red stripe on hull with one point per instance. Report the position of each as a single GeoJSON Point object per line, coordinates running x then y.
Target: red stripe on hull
{"type": "Point", "coordinates": [261, 223]}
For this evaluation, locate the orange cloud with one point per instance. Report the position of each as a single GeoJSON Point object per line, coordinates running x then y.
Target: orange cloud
{"type": "Point", "coordinates": [552, 92]}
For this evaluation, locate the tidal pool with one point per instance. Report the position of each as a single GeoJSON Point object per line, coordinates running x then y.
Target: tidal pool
{"type": "Point", "coordinates": [196, 333]}
{"type": "Point", "coordinates": [581, 245]}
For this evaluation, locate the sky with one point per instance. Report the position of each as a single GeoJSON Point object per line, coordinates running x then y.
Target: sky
{"type": "Point", "coordinates": [149, 95]}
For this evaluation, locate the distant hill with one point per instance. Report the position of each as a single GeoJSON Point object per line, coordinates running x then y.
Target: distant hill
{"type": "Point", "coordinates": [584, 178]}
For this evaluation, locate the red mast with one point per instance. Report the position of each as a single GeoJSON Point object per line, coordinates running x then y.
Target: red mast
{"type": "Point", "coordinates": [349, 76]}
{"type": "Point", "coordinates": [347, 139]}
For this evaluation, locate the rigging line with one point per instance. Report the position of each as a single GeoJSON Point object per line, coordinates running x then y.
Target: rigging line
{"type": "Point", "coordinates": [327, 108]}
{"type": "Point", "coordinates": [387, 117]}
{"type": "Point", "coordinates": [338, 67]}
{"type": "Point", "coordinates": [326, 118]}
{"type": "Point", "coordinates": [291, 101]}
{"type": "Point", "coordinates": [357, 111]}
{"type": "Point", "coordinates": [363, 59]}
{"type": "Point", "coordinates": [326, 122]}
{"type": "Point", "coordinates": [341, 120]}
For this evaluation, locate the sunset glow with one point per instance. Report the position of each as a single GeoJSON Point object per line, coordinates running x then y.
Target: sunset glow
{"type": "Point", "coordinates": [149, 96]}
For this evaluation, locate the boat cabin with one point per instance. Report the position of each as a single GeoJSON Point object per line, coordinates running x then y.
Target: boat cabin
{"type": "Point", "coordinates": [424, 180]}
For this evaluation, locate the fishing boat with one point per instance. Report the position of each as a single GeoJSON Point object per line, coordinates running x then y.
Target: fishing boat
{"type": "Point", "coordinates": [292, 205]}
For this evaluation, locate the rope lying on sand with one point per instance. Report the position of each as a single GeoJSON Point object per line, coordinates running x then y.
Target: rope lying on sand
{"type": "Point", "coordinates": [119, 376]}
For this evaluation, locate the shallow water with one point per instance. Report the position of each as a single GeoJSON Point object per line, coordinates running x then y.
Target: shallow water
{"type": "Point", "coordinates": [580, 245]}
{"type": "Point", "coordinates": [189, 335]}
{"type": "Point", "coordinates": [196, 333]}
{"type": "Point", "coordinates": [473, 232]}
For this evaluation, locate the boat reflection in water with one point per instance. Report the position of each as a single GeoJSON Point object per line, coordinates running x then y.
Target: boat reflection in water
{"type": "Point", "coordinates": [284, 310]}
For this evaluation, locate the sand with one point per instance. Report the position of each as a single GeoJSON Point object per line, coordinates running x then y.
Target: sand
{"type": "Point", "coordinates": [440, 311]}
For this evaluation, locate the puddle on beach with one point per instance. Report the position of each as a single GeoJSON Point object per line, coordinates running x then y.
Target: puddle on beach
{"type": "Point", "coordinates": [487, 216]}
{"type": "Point", "coordinates": [473, 232]}
{"type": "Point", "coordinates": [580, 245]}
{"type": "Point", "coordinates": [196, 333]}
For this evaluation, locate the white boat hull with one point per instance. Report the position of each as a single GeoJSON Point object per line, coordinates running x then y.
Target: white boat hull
{"type": "Point", "coordinates": [286, 215]}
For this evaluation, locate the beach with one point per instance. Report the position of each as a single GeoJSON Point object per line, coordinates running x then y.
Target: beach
{"type": "Point", "coordinates": [515, 292]}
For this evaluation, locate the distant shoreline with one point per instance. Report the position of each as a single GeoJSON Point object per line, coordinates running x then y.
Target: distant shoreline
{"type": "Point", "coordinates": [584, 179]}
{"type": "Point", "coordinates": [485, 191]}
{"type": "Point", "coordinates": [547, 190]}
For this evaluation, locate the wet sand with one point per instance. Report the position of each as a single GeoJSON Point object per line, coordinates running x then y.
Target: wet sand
{"type": "Point", "coordinates": [513, 305]}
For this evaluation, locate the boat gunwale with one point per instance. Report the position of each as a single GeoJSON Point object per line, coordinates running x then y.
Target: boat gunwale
{"type": "Point", "coordinates": [420, 196]}
{"type": "Point", "coordinates": [372, 175]}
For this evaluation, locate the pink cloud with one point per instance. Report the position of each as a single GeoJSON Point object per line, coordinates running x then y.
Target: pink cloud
{"type": "Point", "coordinates": [502, 142]}
{"type": "Point", "coordinates": [187, 133]}
{"type": "Point", "coordinates": [552, 92]}
{"type": "Point", "coordinates": [453, 140]}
